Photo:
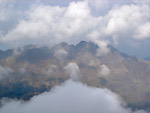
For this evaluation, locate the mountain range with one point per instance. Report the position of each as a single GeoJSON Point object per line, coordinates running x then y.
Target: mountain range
{"type": "Point", "coordinates": [31, 70]}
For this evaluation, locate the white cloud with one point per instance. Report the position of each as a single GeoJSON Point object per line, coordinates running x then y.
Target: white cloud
{"type": "Point", "coordinates": [73, 70]}
{"type": "Point", "coordinates": [124, 20]}
{"type": "Point", "coordinates": [103, 49]}
{"type": "Point", "coordinates": [47, 24]}
{"type": "Point", "coordinates": [37, 27]}
{"type": "Point", "coordinates": [70, 97]}
{"type": "Point", "coordinates": [143, 31]}
{"type": "Point", "coordinates": [53, 24]}
{"type": "Point", "coordinates": [96, 37]}
{"type": "Point", "coordinates": [4, 72]}
{"type": "Point", "coordinates": [102, 44]}
{"type": "Point", "coordinates": [104, 70]}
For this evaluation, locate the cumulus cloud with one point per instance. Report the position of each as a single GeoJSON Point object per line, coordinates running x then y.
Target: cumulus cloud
{"type": "Point", "coordinates": [70, 97]}
{"type": "Point", "coordinates": [73, 70]}
{"type": "Point", "coordinates": [51, 24]}
{"type": "Point", "coordinates": [4, 72]}
{"type": "Point", "coordinates": [143, 31]}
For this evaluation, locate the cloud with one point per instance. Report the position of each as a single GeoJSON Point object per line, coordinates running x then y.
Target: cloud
{"type": "Point", "coordinates": [53, 24]}
{"type": "Point", "coordinates": [73, 70]}
{"type": "Point", "coordinates": [70, 97]}
{"type": "Point", "coordinates": [104, 70]}
{"type": "Point", "coordinates": [143, 31]}
{"type": "Point", "coordinates": [4, 72]}
{"type": "Point", "coordinates": [10, 15]}
{"type": "Point", "coordinates": [98, 4]}
{"type": "Point", "coordinates": [76, 21]}
{"type": "Point", "coordinates": [95, 37]}
{"type": "Point", "coordinates": [126, 19]}
{"type": "Point", "coordinates": [60, 53]}
{"type": "Point", "coordinates": [103, 49]}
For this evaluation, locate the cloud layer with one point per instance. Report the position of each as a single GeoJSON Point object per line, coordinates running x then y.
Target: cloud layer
{"type": "Point", "coordinates": [70, 97]}
{"type": "Point", "coordinates": [76, 21]}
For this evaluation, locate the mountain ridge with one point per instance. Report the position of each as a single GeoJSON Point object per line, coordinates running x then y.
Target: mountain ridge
{"type": "Point", "coordinates": [39, 68]}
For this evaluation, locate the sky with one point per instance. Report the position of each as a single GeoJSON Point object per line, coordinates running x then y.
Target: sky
{"type": "Point", "coordinates": [125, 24]}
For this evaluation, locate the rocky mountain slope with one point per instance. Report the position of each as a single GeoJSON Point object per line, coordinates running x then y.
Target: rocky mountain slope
{"type": "Point", "coordinates": [31, 70]}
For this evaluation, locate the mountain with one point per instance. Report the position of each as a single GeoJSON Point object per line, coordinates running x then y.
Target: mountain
{"type": "Point", "coordinates": [31, 70]}
{"type": "Point", "coordinates": [147, 58]}
{"type": "Point", "coordinates": [34, 55]}
{"type": "Point", "coordinates": [5, 54]}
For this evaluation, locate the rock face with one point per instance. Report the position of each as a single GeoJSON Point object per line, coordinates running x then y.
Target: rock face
{"type": "Point", "coordinates": [36, 69]}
